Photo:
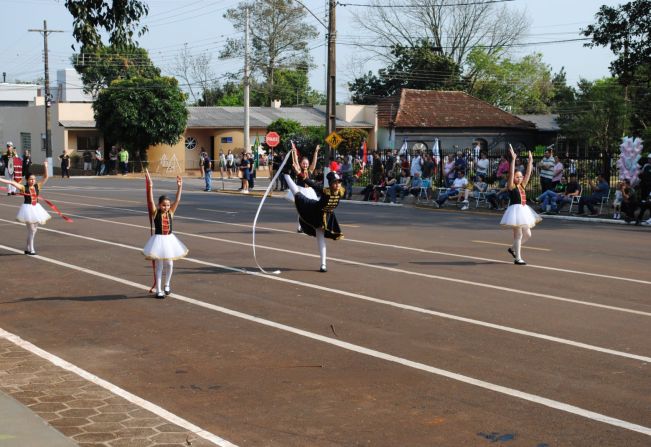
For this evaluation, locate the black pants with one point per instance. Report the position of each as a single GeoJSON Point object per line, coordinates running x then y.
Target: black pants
{"type": "Point", "coordinates": [628, 208]}
{"type": "Point", "coordinates": [546, 183]}
{"type": "Point", "coordinates": [644, 206]}
{"type": "Point", "coordinates": [64, 171]}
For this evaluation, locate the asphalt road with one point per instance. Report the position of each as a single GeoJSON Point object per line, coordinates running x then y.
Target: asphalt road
{"type": "Point", "coordinates": [422, 333]}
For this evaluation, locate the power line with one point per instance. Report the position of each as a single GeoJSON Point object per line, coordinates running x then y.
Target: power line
{"type": "Point", "coordinates": [440, 5]}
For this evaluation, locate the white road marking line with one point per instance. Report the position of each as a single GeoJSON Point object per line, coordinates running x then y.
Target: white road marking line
{"type": "Point", "coordinates": [381, 301]}
{"type": "Point", "coordinates": [372, 352]}
{"type": "Point", "coordinates": [508, 245]}
{"type": "Point", "coordinates": [400, 247]}
{"type": "Point", "coordinates": [217, 211]}
{"type": "Point", "coordinates": [363, 264]}
{"type": "Point", "coordinates": [350, 225]}
{"type": "Point", "coordinates": [149, 406]}
{"type": "Point", "coordinates": [93, 197]}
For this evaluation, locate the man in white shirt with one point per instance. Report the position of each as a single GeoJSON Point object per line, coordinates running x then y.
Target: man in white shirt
{"type": "Point", "coordinates": [458, 186]}
{"type": "Point", "coordinates": [547, 170]}
{"type": "Point", "coordinates": [416, 165]}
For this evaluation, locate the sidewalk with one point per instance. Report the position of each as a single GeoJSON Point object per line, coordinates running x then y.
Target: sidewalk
{"type": "Point", "coordinates": [20, 427]}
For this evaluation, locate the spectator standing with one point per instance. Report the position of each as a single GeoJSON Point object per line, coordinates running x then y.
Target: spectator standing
{"type": "Point", "coordinates": [429, 167]}
{"type": "Point", "coordinates": [460, 163]}
{"type": "Point", "coordinates": [600, 190]}
{"type": "Point", "coordinates": [482, 165]}
{"type": "Point", "coordinates": [27, 163]}
{"type": "Point", "coordinates": [88, 161]}
{"type": "Point", "coordinates": [206, 170]}
{"type": "Point", "coordinates": [558, 171]}
{"type": "Point", "coordinates": [629, 203]}
{"type": "Point", "coordinates": [416, 165]}
{"type": "Point", "coordinates": [8, 163]}
{"type": "Point", "coordinates": [546, 166]}
{"type": "Point", "coordinates": [230, 163]}
{"type": "Point", "coordinates": [377, 170]}
{"type": "Point", "coordinates": [113, 160]}
{"type": "Point", "coordinates": [347, 177]}
{"type": "Point", "coordinates": [448, 171]}
{"type": "Point", "coordinates": [123, 156]}
{"type": "Point", "coordinates": [502, 167]}
{"type": "Point", "coordinates": [245, 167]}
{"type": "Point", "coordinates": [65, 164]}
{"type": "Point", "coordinates": [99, 161]}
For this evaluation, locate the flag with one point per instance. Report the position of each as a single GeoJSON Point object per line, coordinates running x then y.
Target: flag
{"type": "Point", "coordinates": [256, 152]}
{"type": "Point", "coordinates": [403, 148]}
{"type": "Point", "coordinates": [364, 154]}
{"type": "Point", "coordinates": [436, 151]}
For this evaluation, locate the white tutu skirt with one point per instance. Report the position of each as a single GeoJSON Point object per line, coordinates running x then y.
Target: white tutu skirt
{"type": "Point", "coordinates": [28, 213]}
{"type": "Point", "coordinates": [164, 247]}
{"type": "Point", "coordinates": [520, 216]}
{"type": "Point", "coordinates": [306, 192]}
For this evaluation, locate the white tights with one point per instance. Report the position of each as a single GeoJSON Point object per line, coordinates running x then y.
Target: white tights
{"type": "Point", "coordinates": [320, 236]}
{"type": "Point", "coordinates": [169, 267]}
{"type": "Point", "coordinates": [520, 236]}
{"type": "Point", "coordinates": [31, 234]}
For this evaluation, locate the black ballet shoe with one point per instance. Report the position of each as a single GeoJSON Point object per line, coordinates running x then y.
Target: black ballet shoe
{"type": "Point", "coordinates": [26, 252]}
{"type": "Point", "coordinates": [510, 250]}
{"type": "Point", "coordinates": [167, 290]}
{"type": "Point", "coordinates": [323, 268]}
{"type": "Point", "coordinates": [160, 295]}
{"type": "Point", "coordinates": [519, 262]}
{"type": "Point", "coordinates": [31, 253]}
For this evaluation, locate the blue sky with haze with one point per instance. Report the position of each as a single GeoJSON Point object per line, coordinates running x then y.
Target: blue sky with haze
{"type": "Point", "coordinates": [200, 24]}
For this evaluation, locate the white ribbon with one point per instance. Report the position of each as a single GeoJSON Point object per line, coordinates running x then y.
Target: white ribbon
{"type": "Point", "coordinates": [255, 220]}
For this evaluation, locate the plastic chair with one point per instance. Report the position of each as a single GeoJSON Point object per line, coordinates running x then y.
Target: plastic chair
{"type": "Point", "coordinates": [424, 188]}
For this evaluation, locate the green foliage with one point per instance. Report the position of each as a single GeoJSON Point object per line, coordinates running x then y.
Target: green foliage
{"type": "Point", "coordinates": [292, 87]}
{"type": "Point", "coordinates": [118, 18]}
{"type": "Point", "coordinates": [598, 116]}
{"type": "Point", "coordinates": [99, 66]}
{"type": "Point", "coordinates": [524, 85]}
{"type": "Point", "coordinates": [279, 38]}
{"type": "Point", "coordinates": [626, 31]}
{"type": "Point", "coordinates": [640, 96]}
{"type": "Point", "coordinates": [286, 128]}
{"type": "Point", "coordinates": [140, 112]}
{"type": "Point", "coordinates": [418, 67]}
{"type": "Point", "coordinates": [353, 139]}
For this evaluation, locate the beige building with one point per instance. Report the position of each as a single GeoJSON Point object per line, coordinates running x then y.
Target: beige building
{"type": "Point", "coordinates": [216, 129]}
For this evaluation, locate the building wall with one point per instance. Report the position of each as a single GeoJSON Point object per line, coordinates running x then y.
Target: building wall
{"type": "Point", "coordinates": [28, 120]}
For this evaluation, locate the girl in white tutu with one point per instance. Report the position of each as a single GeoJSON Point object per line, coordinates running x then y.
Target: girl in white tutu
{"type": "Point", "coordinates": [31, 213]}
{"type": "Point", "coordinates": [163, 247]}
{"type": "Point", "coordinates": [519, 215]}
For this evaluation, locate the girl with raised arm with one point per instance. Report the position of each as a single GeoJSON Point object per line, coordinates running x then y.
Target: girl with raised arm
{"type": "Point", "coordinates": [31, 213]}
{"type": "Point", "coordinates": [163, 247]}
{"type": "Point", "coordinates": [519, 215]}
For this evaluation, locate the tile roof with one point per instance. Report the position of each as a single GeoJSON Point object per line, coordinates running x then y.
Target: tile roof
{"type": "Point", "coordinates": [444, 109]}
{"type": "Point", "coordinates": [545, 122]}
{"type": "Point", "coordinates": [229, 117]}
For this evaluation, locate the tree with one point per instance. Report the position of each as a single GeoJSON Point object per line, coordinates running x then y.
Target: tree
{"type": "Point", "coordinates": [521, 86]}
{"type": "Point", "coordinates": [598, 115]}
{"type": "Point", "coordinates": [352, 140]}
{"type": "Point", "coordinates": [286, 128]}
{"type": "Point", "coordinates": [141, 112]}
{"type": "Point", "coordinates": [420, 67]}
{"type": "Point", "coordinates": [279, 37]}
{"type": "Point", "coordinates": [118, 18]}
{"type": "Point", "coordinates": [293, 87]}
{"type": "Point", "coordinates": [99, 66]}
{"type": "Point", "coordinates": [627, 31]}
{"type": "Point", "coordinates": [452, 26]}
{"type": "Point", "coordinates": [194, 71]}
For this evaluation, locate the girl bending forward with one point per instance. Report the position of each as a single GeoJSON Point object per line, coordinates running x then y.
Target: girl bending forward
{"type": "Point", "coordinates": [163, 247]}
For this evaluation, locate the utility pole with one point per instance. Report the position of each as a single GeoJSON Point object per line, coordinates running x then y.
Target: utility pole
{"type": "Point", "coordinates": [48, 98]}
{"type": "Point", "coordinates": [331, 88]}
{"type": "Point", "coordinates": [247, 142]}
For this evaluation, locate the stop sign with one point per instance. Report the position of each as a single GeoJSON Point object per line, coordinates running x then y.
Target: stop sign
{"type": "Point", "coordinates": [272, 139]}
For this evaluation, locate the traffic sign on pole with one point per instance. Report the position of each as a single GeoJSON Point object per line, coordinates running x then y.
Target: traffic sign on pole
{"type": "Point", "coordinates": [272, 139]}
{"type": "Point", "coordinates": [334, 140]}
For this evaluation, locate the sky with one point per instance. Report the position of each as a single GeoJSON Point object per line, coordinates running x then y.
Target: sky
{"type": "Point", "coordinates": [200, 25]}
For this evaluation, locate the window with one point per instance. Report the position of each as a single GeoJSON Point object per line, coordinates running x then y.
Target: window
{"type": "Point", "coordinates": [226, 140]}
{"type": "Point", "coordinates": [190, 143]}
{"type": "Point", "coordinates": [87, 142]}
{"type": "Point", "coordinates": [26, 141]}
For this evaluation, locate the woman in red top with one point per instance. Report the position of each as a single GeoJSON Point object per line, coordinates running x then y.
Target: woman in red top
{"type": "Point", "coordinates": [31, 213]}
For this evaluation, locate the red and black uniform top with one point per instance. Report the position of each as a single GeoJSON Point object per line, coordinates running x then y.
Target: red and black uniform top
{"type": "Point", "coordinates": [31, 195]}
{"type": "Point", "coordinates": [163, 223]}
{"type": "Point", "coordinates": [518, 196]}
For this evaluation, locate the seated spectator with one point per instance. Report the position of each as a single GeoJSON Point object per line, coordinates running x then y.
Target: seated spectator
{"type": "Point", "coordinates": [414, 186]}
{"type": "Point", "coordinates": [398, 188]}
{"type": "Point", "coordinates": [600, 190]}
{"type": "Point", "coordinates": [629, 203]}
{"type": "Point", "coordinates": [478, 187]}
{"type": "Point", "coordinates": [374, 191]}
{"type": "Point", "coordinates": [573, 189]}
{"type": "Point", "coordinates": [551, 195]}
{"type": "Point", "coordinates": [460, 183]}
{"type": "Point", "coordinates": [497, 198]}
{"type": "Point", "coordinates": [645, 204]}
